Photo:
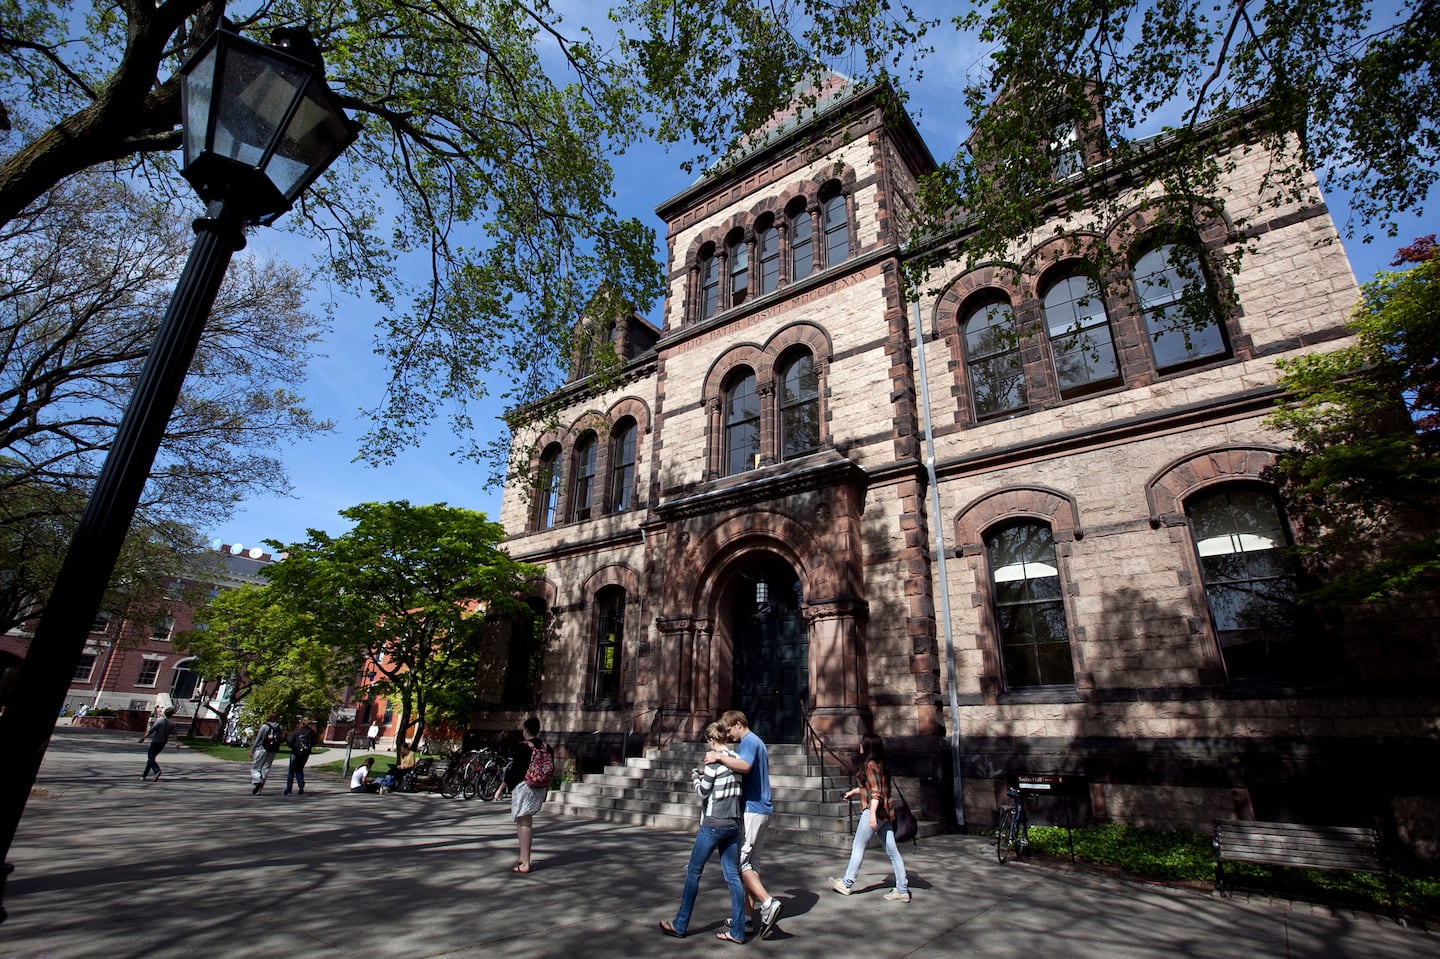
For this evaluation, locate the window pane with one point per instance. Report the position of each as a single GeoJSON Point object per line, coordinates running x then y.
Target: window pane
{"type": "Point", "coordinates": [992, 353]}
{"type": "Point", "coordinates": [837, 230]}
{"type": "Point", "coordinates": [1250, 587]}
{"type": "Point", "coordinates": [1173, 297]}
{"type": "Point", "coordinates": [1080, 337]}
{"type": "Point", "coordinates": [739, 272]}
{"type": "Point", "coordinates": [767, 246]}
{"type": "Point", "coordinates": [799, 408]}
{"type": "Point", "coordinates": [802, 250]}
{"type": "Point", "coordinates": [709, 286]}
{"type": "Point", "coordinates": [1028, 606]}
{"type": "Point", "coordinates": [583, 495]}
{"type": "Point", "coordinates": [742, 426]}
{"type": "Point", "coordinates": [609, 640]}
{"type": "Point", "coordinates": [547, 489]}
{"type": "Point", "coordinates": [622, 478]}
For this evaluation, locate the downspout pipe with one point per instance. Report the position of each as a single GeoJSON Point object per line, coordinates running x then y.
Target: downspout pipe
{"type": "Point", "coordinates": [937, 530]}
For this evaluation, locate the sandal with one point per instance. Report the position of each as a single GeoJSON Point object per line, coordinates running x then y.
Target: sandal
{"type": "Point", "coordinates": [520, 867]}
{"type": "Point", "coordinates": [726, 937]}
{"type": "Point", "coordinates": [668, 927]}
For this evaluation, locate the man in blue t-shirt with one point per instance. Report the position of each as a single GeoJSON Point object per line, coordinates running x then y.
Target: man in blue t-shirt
{"type": "Point", "coordinates": [752, 762]}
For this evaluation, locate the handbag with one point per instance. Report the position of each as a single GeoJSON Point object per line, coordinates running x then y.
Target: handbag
{"type": "Point", "coordinates": [906, 827]}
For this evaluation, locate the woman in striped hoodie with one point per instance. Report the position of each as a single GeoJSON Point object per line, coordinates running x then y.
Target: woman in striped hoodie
{"type": "Point", "coordinates": [721, 808]}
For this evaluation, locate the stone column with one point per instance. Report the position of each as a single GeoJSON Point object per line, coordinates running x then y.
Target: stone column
{"type": "Point", "coordinates": [839, 688]}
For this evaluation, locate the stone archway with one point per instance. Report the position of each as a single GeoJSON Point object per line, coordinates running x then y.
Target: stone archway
{"type": "Point", "coordinates": [761, 611]}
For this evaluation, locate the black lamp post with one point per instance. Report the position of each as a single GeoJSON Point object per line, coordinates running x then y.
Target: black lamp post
{"type": "Point", "coordinates": [259, 126]}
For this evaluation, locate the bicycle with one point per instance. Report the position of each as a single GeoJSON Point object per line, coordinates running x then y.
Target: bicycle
{"type": "Point", "coordinates": [1012, 839]}
{"type": "Point", "coordinates": [459, 775]}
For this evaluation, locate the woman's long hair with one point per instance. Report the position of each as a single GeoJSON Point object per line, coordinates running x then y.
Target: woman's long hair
{"type": "Point", "coordinates": [872, 749]}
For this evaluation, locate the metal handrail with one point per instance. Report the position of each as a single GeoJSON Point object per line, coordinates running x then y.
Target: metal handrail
{"type": "Point", "coordinates": [821, 748]}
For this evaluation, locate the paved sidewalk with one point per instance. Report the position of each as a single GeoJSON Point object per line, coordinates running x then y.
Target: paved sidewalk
{"type": "Point", "coordinates": [109, 866]}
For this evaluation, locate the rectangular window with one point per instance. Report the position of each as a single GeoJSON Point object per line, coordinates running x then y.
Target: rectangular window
{"type": "Point", "coordinates": [84, 668]}
{"type": "Point", "coordinates": [161, 631]}
{"type": "Point", "coordinates": [149, 669]}
{"type": "Point", "coordinates": [609, 643]}
{"type": "Point", "coordinates": [101, 624]}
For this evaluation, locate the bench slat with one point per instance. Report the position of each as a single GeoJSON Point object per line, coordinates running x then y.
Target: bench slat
{"type": "Point", "coordinates": [1296, 844]}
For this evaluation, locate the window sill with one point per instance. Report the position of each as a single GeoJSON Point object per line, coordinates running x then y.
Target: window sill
{"type": "Point", "coordinates": [1040, 694]}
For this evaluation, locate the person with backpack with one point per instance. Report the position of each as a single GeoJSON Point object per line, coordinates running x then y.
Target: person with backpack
{"type": "Point", "coordinates": [872, 785]}
{"type": "Point", "coordinates": [301, 741]}
{"type": "Point", "coordinates": [268, 740]}
{"type": "Point", "coordinates": [528, 778]}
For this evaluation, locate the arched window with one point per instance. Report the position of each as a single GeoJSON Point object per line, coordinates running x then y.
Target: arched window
{"type": "Point", "coordinates": [524, 657]}
{"type": "Point", "coordinates": [547, 487]}
{"type": "Point", "coordinates": [609, 642]}
{"type": "Point", "coordinates": [1080, 338]}
{"type": "Point", "coordinates": [992, 359]}
{"type": "Point", "coordinates": [802, 241]}
{"type": "Point", "coordinates": [767, 254]}
{"type": "Point", "coordinates": [837, 228]}
{"type": "Point", "coordinates": [1250, 585]}
{"type": "Point", "coordinates": [1178, 309]}
{"type": "Point", "coordinates": [742, 424]}
{"type": "Point", "coordinates": [622, 466]}
{"type": "Point", "coordinates": [582, 495]}
{"type": "Point", "coordinates": [739, 268]}
{"type": "Point", "coordinates": [1028, 605]}
{"type": "Point", "coordinates": [799, 408]}
{"type": "Point", "coordinates": [709, 282]}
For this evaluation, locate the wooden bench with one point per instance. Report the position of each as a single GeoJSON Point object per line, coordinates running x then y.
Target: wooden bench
{"type": "Point", "coordinates": [1351, 848]}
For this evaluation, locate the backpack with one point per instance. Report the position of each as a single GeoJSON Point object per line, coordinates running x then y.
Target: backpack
{"type": "Point", "coordinates": [541, 768]}
{"type": "Point", "coordinates": [270, 737]}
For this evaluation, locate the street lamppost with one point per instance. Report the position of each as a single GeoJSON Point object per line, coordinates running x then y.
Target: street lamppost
{"type": "Point", "coordinates": [259, 126]}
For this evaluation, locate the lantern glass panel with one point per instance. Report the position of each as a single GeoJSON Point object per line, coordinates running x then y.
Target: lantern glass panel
{"type": "Point", "coordinates": [316, 134]}
{"type": "Point", "coordinates": [257, 92]}
{"type": "Point", "coordinates": [196, 93]}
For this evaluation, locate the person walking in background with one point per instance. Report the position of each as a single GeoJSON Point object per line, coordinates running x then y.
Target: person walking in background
{"type": "Point", "coordinates": [159, 734]}
{"type": "Point", "coordinates": [721, 811]}
{"type": "Point", "coordinates": [372, 734]}
{"type": "Point", "coordinates": [532, 764]}
{"type": "Point", "coordinates": [262, 751]}
{"type": "Point", "coordinates": [752, 761]}
{"type": "Point", "coordinates": [301, 741]}
{"type": "Point", "coordinates": [873, 787]}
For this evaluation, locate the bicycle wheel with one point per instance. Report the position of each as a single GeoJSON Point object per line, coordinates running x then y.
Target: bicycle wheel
{"type": "Point", "coordinates": [472, 782]}
{"type": "Point", "coordinates": [450, 785]}
{"type": "Point", "coordinates": [489, 780]}
{"type": "Point", "coordinates": [1022, 838]}
{"type": "Point", "coordinates": [1005, 835]}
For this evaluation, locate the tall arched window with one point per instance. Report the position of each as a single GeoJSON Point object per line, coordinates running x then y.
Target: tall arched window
{"type": "Point", "coordinates": [609, 642]}
{"type": "Point", "coordinates": [742, 424]}
{"type": "Point", "coordinates": [799, 408]}
{"type": "Point", "coordinates": [739, 268]}
{"type": "Point", "coordinates": [622, 466]}
{"type": "Point", "coordinates": [837, 228]}
{"type": "Point", "coordinates": [1028, 605]}
{"type": "Point", "coordinates": [547, 487]}
{"type": "Point", "coordinates": [1080, 338]}
{"type": "Point", "coordinates": [1178, 309]}
{"type": "Point", "coordinates": [802, 241]}
{"type": "Point", "coordinates": [709, 282]}
{"type": "Point", "coordinates": [767, 254]}
{"type": "Point", "coordinates": [582, 497]}
{"type": "Point", "coordinates": [1250, 586]}
{"type": "Point", "coordinates": [992, 359]}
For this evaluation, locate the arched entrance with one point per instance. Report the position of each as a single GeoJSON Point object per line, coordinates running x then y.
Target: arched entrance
{"type": "Point", "coordinates": [771, 665]}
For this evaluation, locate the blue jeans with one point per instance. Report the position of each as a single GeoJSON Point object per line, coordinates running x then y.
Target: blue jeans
{"type": "Point", "coordinates": [707, 840]}
{"type": "Point", "coordinates": [296, 774]}
{"type": "Point", "coordinates": [863, 833]}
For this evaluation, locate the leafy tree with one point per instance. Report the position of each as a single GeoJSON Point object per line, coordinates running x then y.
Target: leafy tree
{"type": "Point", "coordinates": [1364, 420]}
{"type": "Point", "coordinates": [268, 653]}
{"type": "Point", "coordinates": [84, 279]}
{"type": "Point", "coordinates": [463, 125]}
{"type": "Point", "coordinates": [408, 589]}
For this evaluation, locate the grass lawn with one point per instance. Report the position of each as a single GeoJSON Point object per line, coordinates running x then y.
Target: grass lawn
{"type": "Point", "coordinates": [1172, 855]}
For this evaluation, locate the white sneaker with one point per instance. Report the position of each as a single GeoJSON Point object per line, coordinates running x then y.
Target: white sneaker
{"type": "Point", "coordinates": [839, 886]}
{"type": "Point", "coordinates": [769, 915]}
{"type": "Point", "coordinates": [895, 895]}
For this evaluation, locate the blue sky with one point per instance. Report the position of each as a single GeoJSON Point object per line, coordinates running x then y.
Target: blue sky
{"type": "Point", "coordinates": [349, 377]}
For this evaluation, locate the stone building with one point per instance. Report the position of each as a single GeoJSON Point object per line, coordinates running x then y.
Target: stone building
{"type": "Point", "coordinates": [1022, 527]}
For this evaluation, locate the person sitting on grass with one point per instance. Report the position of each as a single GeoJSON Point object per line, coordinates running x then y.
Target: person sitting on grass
{"type": "Point", "coordinates": [360, 781]}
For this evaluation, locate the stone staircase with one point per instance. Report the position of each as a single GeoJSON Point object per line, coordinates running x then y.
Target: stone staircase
{"type": "Point", "coordinates": [654, 790]}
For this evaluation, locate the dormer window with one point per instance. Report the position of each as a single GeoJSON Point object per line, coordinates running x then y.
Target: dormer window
{"type": "Point", "coordinates": [1067, 158]}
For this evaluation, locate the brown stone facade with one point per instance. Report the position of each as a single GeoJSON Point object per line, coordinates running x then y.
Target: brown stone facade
{"type": "Point", "coordinates": [855, 513]}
